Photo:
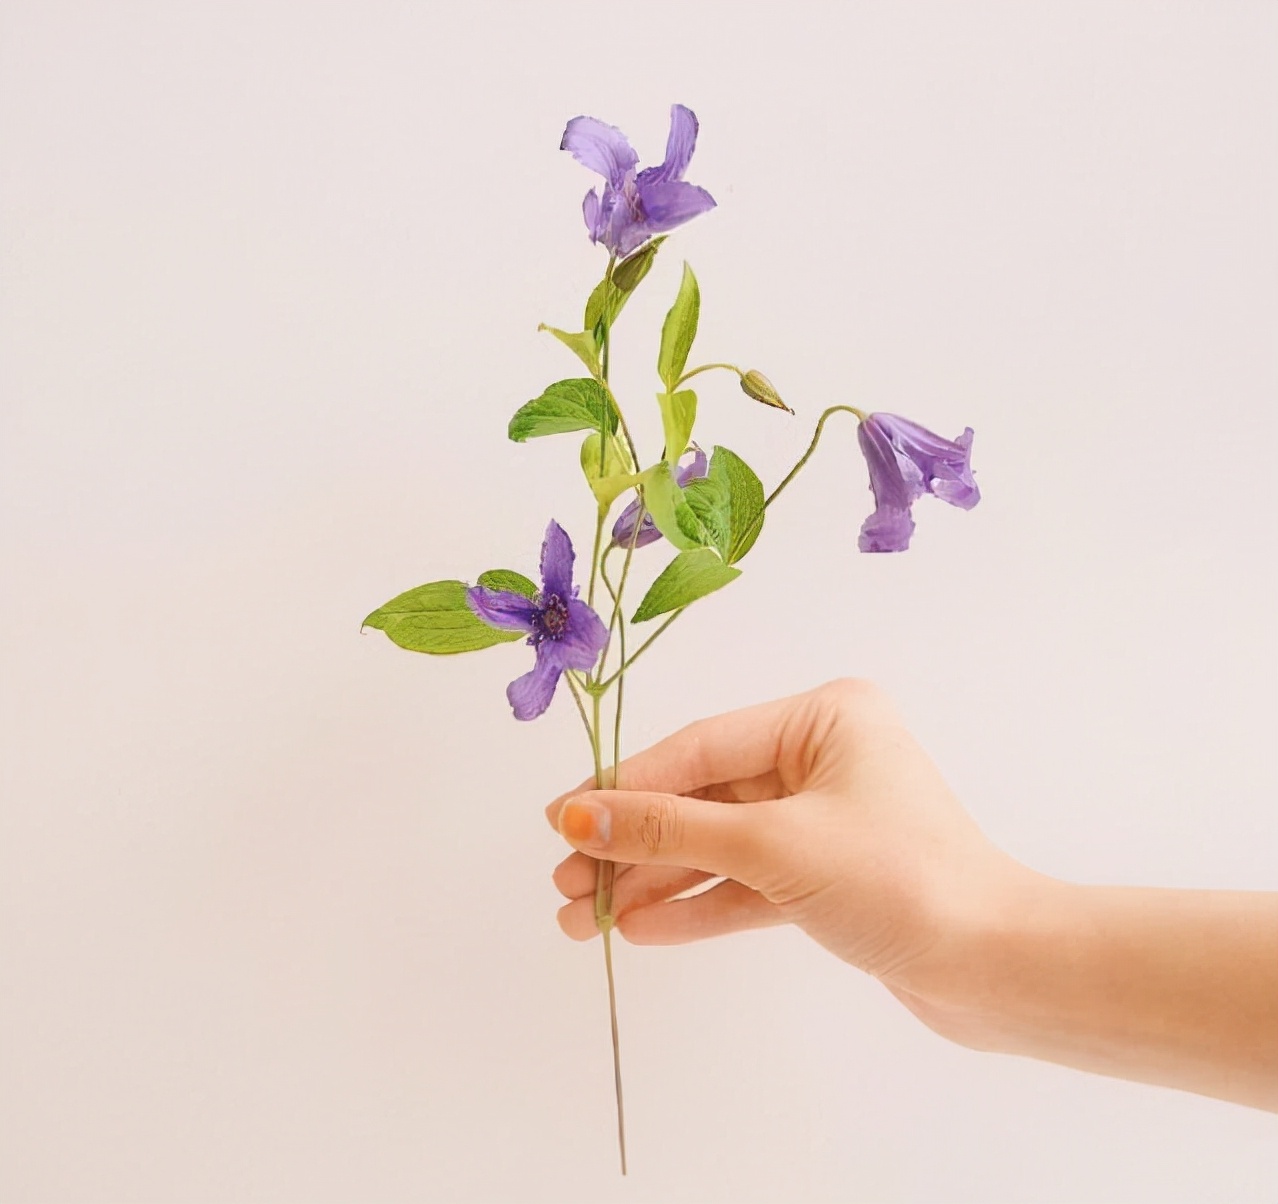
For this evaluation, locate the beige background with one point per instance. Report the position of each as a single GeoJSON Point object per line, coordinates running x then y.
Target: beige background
{"type": "Point", "coordinates": [277, 917]}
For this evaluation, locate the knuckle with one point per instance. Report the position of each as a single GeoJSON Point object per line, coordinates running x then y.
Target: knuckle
{"type": "Point", "coordinates": [661, 826]}
{"type": "Point", "coordinates": [852, 690]}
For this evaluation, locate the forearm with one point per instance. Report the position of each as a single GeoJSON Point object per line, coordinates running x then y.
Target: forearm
{"type": "Point", "coordinates": [1178, 988]}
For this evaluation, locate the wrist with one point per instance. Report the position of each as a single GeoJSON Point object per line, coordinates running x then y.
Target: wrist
{"type": "Point", "coordinates": [971, 987]}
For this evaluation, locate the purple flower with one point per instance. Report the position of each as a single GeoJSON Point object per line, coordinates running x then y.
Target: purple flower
{"type": "Point", "coordinates": [906, 461]}
{"type": "Point", "coordinates": [632, 208]}
{"type": "Point", "coordinates": [623, 530]}
{"type": "Point", "coordinates": [565, 631]}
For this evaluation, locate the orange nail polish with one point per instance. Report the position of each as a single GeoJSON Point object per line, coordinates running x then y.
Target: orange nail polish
{"type": "Point", "coordinates": [584, 823]}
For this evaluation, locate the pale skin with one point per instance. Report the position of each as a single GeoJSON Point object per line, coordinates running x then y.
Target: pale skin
{"type": "Point", "coordinates": [823, 812]}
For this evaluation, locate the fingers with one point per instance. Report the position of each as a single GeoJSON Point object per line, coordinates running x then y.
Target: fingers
{"type": "Point", "coordinates": [643, 828]}
{"type": "Point", "coordinates": [732, 748]}
{"type": "Point", "coordinates": [633, 886]}
{"type": "Point", "coordinates": [727, 907]}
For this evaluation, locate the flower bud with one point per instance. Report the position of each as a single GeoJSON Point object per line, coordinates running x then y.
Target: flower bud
{"type": "Point", "coordinates": [755, 384]}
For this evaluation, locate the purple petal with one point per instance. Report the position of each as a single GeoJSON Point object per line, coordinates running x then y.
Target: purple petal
{"type": "Point", "coordinates": [944, 466]}
{"type": "Point", "coordinates": [670, 204]}
{"type": "Point", "coordinates": [679, 147]}
{"type": "Point", "coordinates": [590, 210]}
{"type": "Point", "coordinates": [692, 472]}
{"type": "Point", "coordinates": [556, 563]}
{"type": "Point", "coordinates": [502, 608]}
{"type": "Point", "coordinates": [582, 640]}
{"type": "Point", "coordinates": [888, 529]}
{"type": "Point", "coordinates": [623, 530]}
{"type": "Point", "coordinates": [627, 233]}
{"type": "Point", "coordinates": [602, 148]}
{"type": "Point", "coordinates": [891, 487]}
{"type": "Point", "coordinates": [530, 695]}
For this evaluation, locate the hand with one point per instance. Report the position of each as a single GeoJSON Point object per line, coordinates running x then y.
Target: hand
{"type": "Point", "coordinates": [822, 811]}
{"type": "Point", "coordinates": [818, 810]}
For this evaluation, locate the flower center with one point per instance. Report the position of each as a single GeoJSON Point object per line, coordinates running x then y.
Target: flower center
{"type": "Point", "coordinates": [554, 617]}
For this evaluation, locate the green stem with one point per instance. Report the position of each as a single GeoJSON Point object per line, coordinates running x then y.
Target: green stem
{"type": "Point", "coordinates": [605, 357]}
{"type": "Point", "coordinates": [604, 919]}
{"type": "Point", "coordinates": [616, 1043]}
{"type": "Point", "coordinates": [625, 665]}
{"type": "Point", "coordinates": [807, 455]}
{"type": "Point", "coordinates": [618, 620]}
{"type": "Point", "coordinates": [594, 556]}
{"type": "Point", "coordinates": [705, 368]}
{"type": "Point", "coordinates": [581, 708]}
{"type": "Point", "coordinates": [607, 870]}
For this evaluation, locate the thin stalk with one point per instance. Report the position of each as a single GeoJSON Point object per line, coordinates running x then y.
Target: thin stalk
{"type": "Point", "coordinates": [581, 709]}
{"type": "Point", "coordinates": [605, 358]}
{"type": "Point", "coordinates": [706, 368]}
{"type": "Point", "coordinates": [640, 650]}
{"type": "Point", "coordinates": [594, 556]}
{"type": "Point", "coordinates": [603, 893]}
{"type": "Point", "coordinates": [608, 869]}
{"type": "Point", "coordinates": [807, 455]}
{"type": "Point", "coordinates": [617, 621]}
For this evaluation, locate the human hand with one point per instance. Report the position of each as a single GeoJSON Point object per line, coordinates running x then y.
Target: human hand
{"type": "Point", "coordinates": [818, 810]}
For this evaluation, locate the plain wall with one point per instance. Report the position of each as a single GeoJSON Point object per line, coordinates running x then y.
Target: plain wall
{"type": "Point", "coordinates": [277, 916]}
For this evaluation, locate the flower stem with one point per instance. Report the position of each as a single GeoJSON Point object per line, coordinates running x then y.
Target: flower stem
{"type": "Point", "coordinates": [605, 357]}
{"type": "Point", "coordinates": [807, 455]}
{"type": "Point", "coordinates": [606, 873]}
{"type": "Point", "coordinates": [706, 368]}
{"type": "Point", "coordinates": [594, 556]}
{"type": "Point", "coordinates": [605, 920]}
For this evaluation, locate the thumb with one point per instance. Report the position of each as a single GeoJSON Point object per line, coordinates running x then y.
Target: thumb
{"type": "Point", "coordinates": [648, 828]}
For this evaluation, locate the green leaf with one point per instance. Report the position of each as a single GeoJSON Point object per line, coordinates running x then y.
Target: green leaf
{"type": "Point", "coordinates": [745, 501]}
{"type": "Point", "coordinates": [610, 295]}
{"type": "Point", "coordinates": [678, 416]}
{"type": "Point", "coordinates": [583, 345]}
{"type": "Point", "coordinates": [435, 618]}
{"type": "Point", "coordinates": [709, 501]}
{"type": "Point", "coordinates": [614, 476]}
{"type": "Point", "coordinates": [604, 305]}
{"type": "Point", "coordinates": [679, 330]}
{"type": "Point", "coordinates": [567, 405]}
{"type": "Point", "coordinates": [508, 579]}
{"type": "Point", "coordinates": [689, 576]}
{"type": "Point", "coordinates": [675, 519]}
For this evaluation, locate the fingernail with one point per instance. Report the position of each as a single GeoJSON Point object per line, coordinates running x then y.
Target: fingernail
{"type": "Point", "coordinates": [585, 823]}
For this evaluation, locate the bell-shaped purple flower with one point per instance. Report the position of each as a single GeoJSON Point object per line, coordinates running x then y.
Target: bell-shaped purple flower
{"type": "Point", "coordinates": [566, 633]}
{"type": "Point", "coordinates": [631, 208]}
{"type": "Point", "coordinates": [906, 461]}
{"type": "Point", "coordinates": [623, 530]}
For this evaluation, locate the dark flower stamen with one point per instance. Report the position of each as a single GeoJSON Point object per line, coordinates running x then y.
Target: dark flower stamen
{"type": "Point", "coordinates": [553, 619]}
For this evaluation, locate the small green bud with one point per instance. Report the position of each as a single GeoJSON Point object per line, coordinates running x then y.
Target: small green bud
{"type": "Point", "coordinates": [755, 384]}
{"type": "Point", "coordinates": [629, 272]}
